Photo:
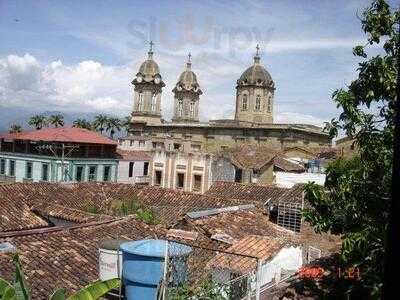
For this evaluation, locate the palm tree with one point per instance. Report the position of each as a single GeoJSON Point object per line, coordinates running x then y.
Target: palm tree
{"type": "Point", "coordinates": [82, 123]}
{"type": "Point", "coordinates": [56, 120]}
{"type": "Point", "coordinates": [113, 124]}
{"type": "Point", "coordinates": [15, 128]}
{"type": "Point", "coordinates": [126, 123]}
{"type": "Point", "coordinates": [37, 121]}
{"type": "Point", "coordinates": [100, 122]}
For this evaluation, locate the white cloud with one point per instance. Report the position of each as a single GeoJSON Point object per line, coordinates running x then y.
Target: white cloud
{"type": "Point", "coordinates": [90, 86]}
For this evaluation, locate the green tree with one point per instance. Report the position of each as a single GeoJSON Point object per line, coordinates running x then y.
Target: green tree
{"type": "Point", "coordinates": [113, 125]}
{"type": "Point", "coordinates": [100, 122]}
{"type": "Point", "coordinates": [37, 121]}
{"type": "Point", "coordinates": [126, 123]}
{"type": "Point", "coordinates": [82, 123]}
{"type": "Point", "coordinates": [56, 120]}
{"type": "Point", "coordinates": [19, 289]}
{"type": "Point", "coordinates": [15, 128]}
{"type": "Point", "coordinates": [355, 199]}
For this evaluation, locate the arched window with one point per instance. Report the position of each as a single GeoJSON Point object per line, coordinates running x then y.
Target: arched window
{"type": "Point", "coordinates": [244, 102]}
{"type": "Point", "coordinates": [153, 102]}
{"type": "Point", "coordinates": [258, 103]}
{"type": "Point", "coordinates": [180, 108]}
{"type": "Point", "coordinates": [140, 101]}
{"type": "Point", "coordinates": [191, 109]}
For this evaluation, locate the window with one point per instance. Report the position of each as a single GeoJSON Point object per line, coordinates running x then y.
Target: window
{"type": "Point", "coordinates": [196, 147]}
{"type": "Point", "coordinates": [12, 168]}
{"type": "Point", "coordinates": [269, 103]}
{"type": "Point", "coordinates": [197, 183]}
{"type": "Point", "coordinates": [238, 175]}
{"type": "Point", "coordinates": [130, 172]}
{"type": "Point", "coordinates": [154, 144]}
{"type": "Point", "coordinates": [92, 173]}
{"type": "Point", "coordinates": [146, 169]}
{"type": "Point", "coordinates": [244, 102]}
{"type": "Point", "coordinates": [131, 142]}
{"type": "Point", "coordinates": [177, 146]}
{"type": "Point", "coordinates": [180, 108]}
{"type": "Point", "coordinates": [180, 180]}
{"type": "Point", "coordinates": [45, 172]}
{"type": "Point", "coordinates": [2, 166]}
{"type": "Point", "coordinates": [141, 144]}
{"type": "Point", "coordinates": [191, 109]}
{"type": "Point", "coordinates": [140, 102]}
{"type": "Point", "coordinates": [258, 103]}
{"type": "Point", "coordinates": [28, 170]}
{"type": "Point", "coordinates": [158, 177]}
{"type": "Point", "coordinates": [107, 173]}
{"type": "Point", "coordinates": [79, 173]}
{"type": "Point", "coordinates": [153, 102]}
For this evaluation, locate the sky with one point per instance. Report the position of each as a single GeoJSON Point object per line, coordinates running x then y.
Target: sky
{"type": "Point", "coordinates": [80, 56]}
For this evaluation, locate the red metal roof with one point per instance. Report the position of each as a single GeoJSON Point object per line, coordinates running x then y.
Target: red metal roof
{"type": "Point", "coordinates": [62, 134]}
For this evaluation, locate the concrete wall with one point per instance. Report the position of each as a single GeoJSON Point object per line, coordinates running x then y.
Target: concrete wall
{"type": "Point", "coordinates": [123, 171]}
{"type": "Point", "coordinates": [286, 179]}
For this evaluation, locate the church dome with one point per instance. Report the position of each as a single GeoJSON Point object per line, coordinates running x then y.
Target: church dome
{"type": "Point", "coordinates": [149, 70]}
{"type": "Point", "coordinates": [188, 79]}
{"type": "Point", "coordinates": [256, 74]}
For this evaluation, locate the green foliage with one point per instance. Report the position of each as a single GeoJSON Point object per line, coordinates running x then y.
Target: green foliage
{"type": "Point", "coordinates": [124, 207]}
{"type": "Point", "coordinates": [82, 123]}
{"type": "Point", "coordinates": [38, 121]}
{"type": "Point", "coordinates": [208, 289]}
{"type": "Point", "coordinates": [15, 128]}
{"type": "Point", "coordinates": [355, 199]}
{"type": "Point", "coordinates": [19, 290]}
{"type": "Point", "coordinates": [56, 120]}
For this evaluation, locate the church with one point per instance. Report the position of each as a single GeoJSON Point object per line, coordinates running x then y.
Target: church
{"type": "Point", "coordinates": [182, 142]}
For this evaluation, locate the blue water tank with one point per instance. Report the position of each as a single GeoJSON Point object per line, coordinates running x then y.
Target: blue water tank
{"type": "Point", "coordinates": [143, 266]}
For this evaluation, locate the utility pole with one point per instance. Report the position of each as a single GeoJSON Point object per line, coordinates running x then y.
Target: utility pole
{"type": "Point", "coordinates": [64, 148]}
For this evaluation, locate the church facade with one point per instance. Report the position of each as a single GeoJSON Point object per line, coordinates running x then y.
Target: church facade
{"type": "Point", "coordinates": [253, 122]}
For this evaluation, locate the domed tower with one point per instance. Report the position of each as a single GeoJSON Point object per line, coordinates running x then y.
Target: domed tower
{"type": "Point", "coordinates": [187, 92]}
{"type": "Point", "coordinates": [255, 94]}
{"type": "Point", "coordinates": [147, 92]}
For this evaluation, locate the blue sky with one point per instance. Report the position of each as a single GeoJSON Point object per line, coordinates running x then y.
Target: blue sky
{"type": "Point", "coordinates": [80, 56]}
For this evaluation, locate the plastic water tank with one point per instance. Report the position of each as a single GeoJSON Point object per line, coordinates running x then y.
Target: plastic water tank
{"type": "Point", "coordinates": [109, 258]}
{"type": "Point", "coordinates": [143, 266]}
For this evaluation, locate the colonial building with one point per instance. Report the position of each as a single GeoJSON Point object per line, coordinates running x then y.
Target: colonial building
{"type": "Point", "coordinates": [253, 122]}
{"type": "Point", "coordinates": [57, 155]}
{"type": "Point", "coordinates": [186, 151]}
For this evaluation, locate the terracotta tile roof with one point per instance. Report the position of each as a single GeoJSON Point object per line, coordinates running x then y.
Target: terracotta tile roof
{"type": "Point", "coordinates": [251, 157]}
{"type": "Point", "coordinates": [72, 201]}
{"type": "Point", "coordinates": [68, 258]}
{"type": "Point", "coordinates": [246, 192]}
{"type": "Point", "coordinates": [170, 205]}
{"type": "Point", "coordinates": [237, 224]}
{"type": "Point", "coordinates": [62, 134]}
{"type": "Point", "coordinates": [69, 214]}
{"type": "Point", "coordinates": [258, 247]}
{"type": "Point", "coordinates": [133, 155]}
{"type": "Point", "coordinates": [286, 165]}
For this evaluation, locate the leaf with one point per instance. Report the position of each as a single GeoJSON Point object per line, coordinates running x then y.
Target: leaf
{"type": "Point", "coordinates": [96, 290]}
{"type": "Point", "coordinates": [4, 285]}
{"type": "Point", "coordinates": [21, 287]}
{"type": "Point", "coordinates": [59, 294]}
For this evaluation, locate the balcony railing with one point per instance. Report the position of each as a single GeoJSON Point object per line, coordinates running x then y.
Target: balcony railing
{"type": "Point", "coordinates": [142, 179]}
